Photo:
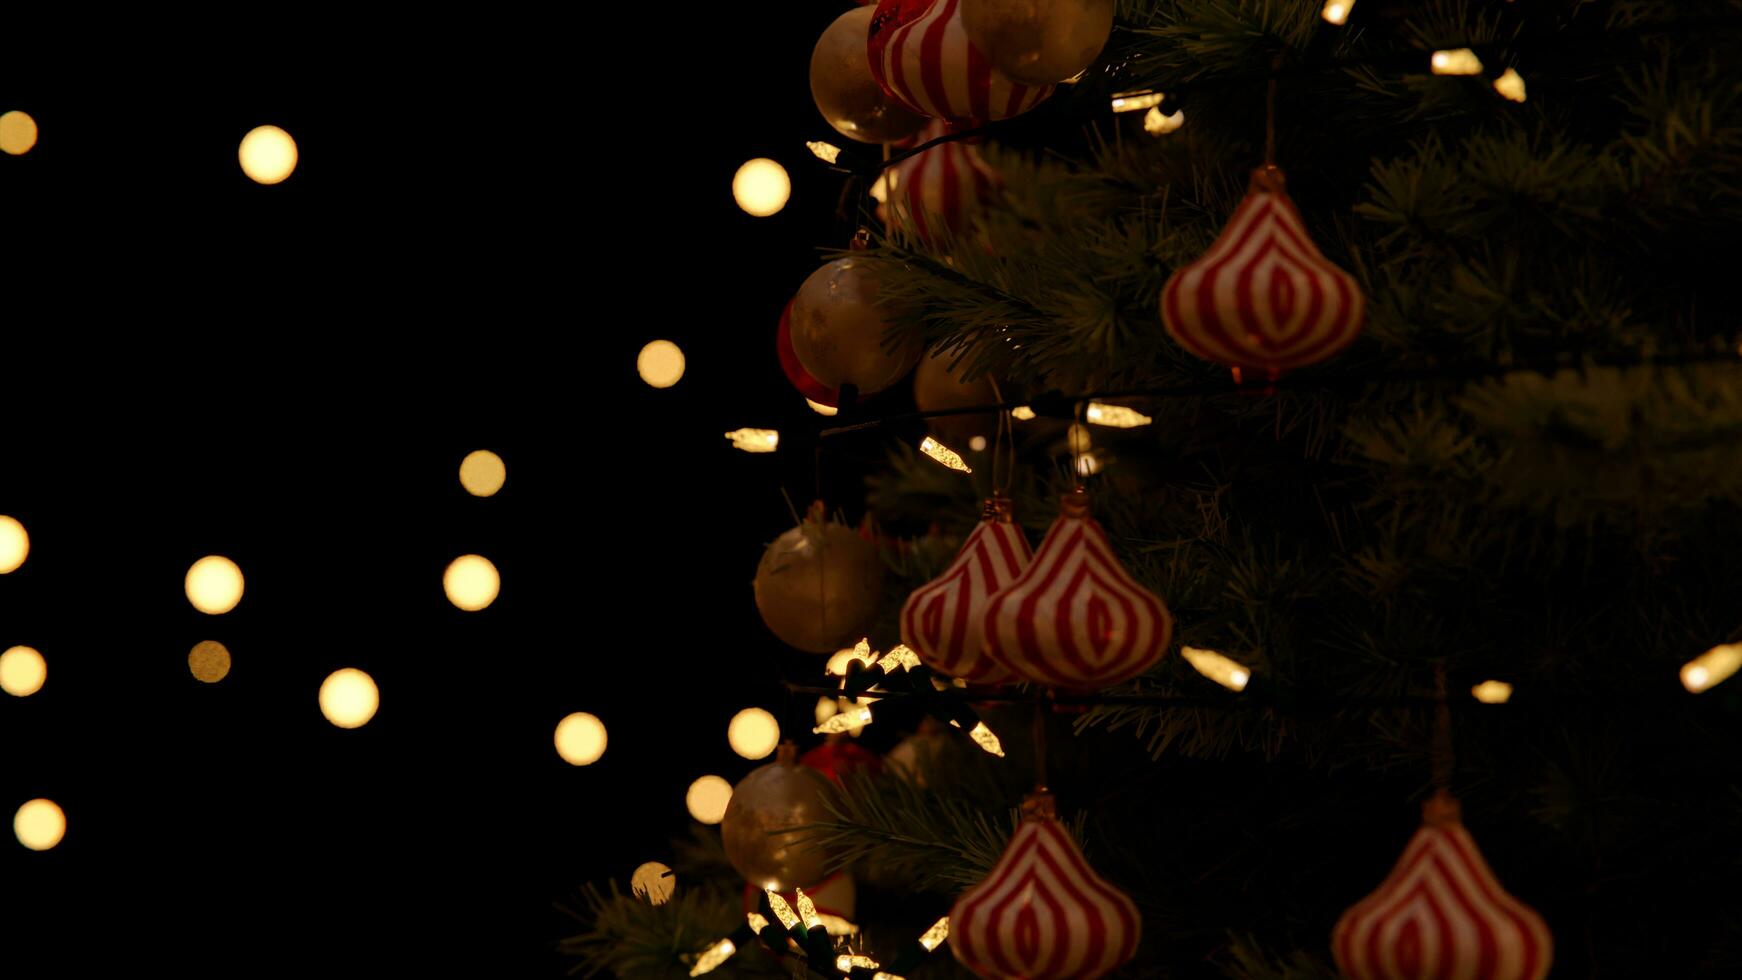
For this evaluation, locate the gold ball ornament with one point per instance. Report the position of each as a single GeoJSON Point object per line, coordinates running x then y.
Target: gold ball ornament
{"type": "Point", "coordinates": [1039, 41]}
{"type": "Point", "coordinates": [936, 389]}
{"type": "Point", "coordinates": [837, 330]}
{"type": "Point", "coordinates": [776, 797]}
{"type": "Point", "coordinates": [844, 91]}
{"type": "Point", "coordinates": [819, 584]}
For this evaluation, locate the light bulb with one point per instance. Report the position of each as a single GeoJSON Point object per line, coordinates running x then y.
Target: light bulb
{"type": "Point", "coordinates": [1115, 416]}
{"type": "Point", "coordinates": [1136, 101]}
{"type": "Point", "coordinates": [1510, 85]}
{"type": "Point", "coordinates": [1228, 673]}
{"type": "Point", "coordinates": [1337, 11]}
{"type": "Point", "coordinates": [1456, 61]}
{"type": "Point", "coordinates": [1492, 692]}
{"type": "Point", "coordinates": [943, 454]}
{"type": "Point", "coordinates": [1712, 667]}
{"type": "Point", "coordinates": [755, 440]}
{"type": "Point", "coordinates": [1156, 124]}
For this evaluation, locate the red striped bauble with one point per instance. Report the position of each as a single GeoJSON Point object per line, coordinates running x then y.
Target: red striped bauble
{"type": "Point", "coordinates": [920, 54]}
{"type": "Point", "coordinates": [1263, 299]}
{"type": "Point", "coordinates": [801, 379]}
{"type": "Point", "coordinates": [1075, 618]}
{"type": "Point", "coordinates": [1042, 913]}
{"type": "Point", "coordinates": [1441, 915]}
{"type": "Point", "coordinates": [938, 189]}
{"type": "Point", "coordinates": [942, 620]}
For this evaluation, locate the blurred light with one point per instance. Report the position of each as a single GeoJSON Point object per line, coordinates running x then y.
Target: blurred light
{"type": "Point", "coordinates": [22, 671]}
{"type": "Point", "coordinates": [880, 975]}
{"type": "Point", "coordinates": [755, 440]}
{"type": "Point", "coordinates": [838, 661]}
{"type": "Point", "coordinates": [209, 661]}
{"type": "Point", "coordinates": [1088, 465]}
{"type": "Point", "coordinates": [934, 937]}
{"type": "Point", "coordinates": [1492, 692]}
{"type": "Point", "coordinates": [846, 961]}
{"type": "Point", "coordinates": [1228, 673]}
{"type": "Point", "coordinates": [580, 739]}
{"type": "Point", "coordinates": [471, 582]}
{"type": "Point", "coordinates": [1115, 416]}
{"type": "Point", "coordinates": [1022, 413]}
{"type": "Point", "coordinates": [884, 185]}
{"type": "Point", "coordinates": [977, 444]}
{"type": "Point", "coordinates": [660, 363]}
{"type": "Point", "coordinates": [39, 824]}
{"type": "Point", "coordinates": [14, 544]}
{"type": "Point", "coordinates": [1456, 61]}
{"type": "Point", "coordinates": [821, 409]}
{"type": "Point", "coordinates": [943, 454]}
{"type": "Point", "coordinates": [1136, 101]}
{"type": "Point", "coordinates": [214, 585]}
{"type": "Point", "coordinates": [753, 733]}
{"type": "Point", "coordinates": [1511, 85]}
{"type": "Point", "coordinates": [1337, 11]}
{"type": "Point", "coordinates": [1078, 437]}
{"type": "Point", "coordinates": [17, 132]}
{"type": "Point", "coordinates": [848, 718]}
{"type": "Point", "coordinates": [482, 473]}
{"type": "Point", "coordinates": [268, 154]}
{"type": "Point", "coordinates": [761, 187]}
{"type": "Point", "coordinates": [349, 698]}
{"type": "Point", "coordinates": [827, 708]}
{"type": "Point", "coordinates": [712, 957]}
{"type": "Point", "coordinates": [1712, 667]}
{"type": "Point", "coordinates": [826, 152]}
{"type": "Point", "coordinates": [834, 925]}
{"type": "Point", "coordinates": [654, 882]}
{"type": "Point", "coordinates": [1156, 124]}
{"type": "Point", "coordinates": [707, 799]}
{"type": "Point", "coordinates": [900, 655]}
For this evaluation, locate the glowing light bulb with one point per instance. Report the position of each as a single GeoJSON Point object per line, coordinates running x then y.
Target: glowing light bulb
{"type": "Point", "coordinates": [821, 409]}
{"type": "Point", "coordinates": [880, 975]}
{"type": "Point", "coordinates": [1115, 416]}
{"type": "Point", "coordinates": [1510, 85]}
{"type": "Point", "coordinates": [209, 661]}
{"type": "Point", "coordinates": [214, 585]}
{"type": "Point", "coordinates": [1228, 673]}
{"type": "Point", "coordinates": [1156, 124]}
{"type": "Point", "coordinates": [349, 698]}
{"type": "Point", "coordinates": [935, 936]}
{"type": "Point", "coordinates": [807, 909]}
{"type": "Point", "coordinates": [899, 657]}
{"type": "Point", "coordinates": [267, 154]}
{"type": "Point", "coordinates": [943, 454]}
{"type": "Point", "coordinates": [1136, 101]}
{"type": "Point", "coordinates": [756, 921]}
{"type": "Point", "coordinates": [707, 799]}
{"type": "Point", "coordinates": [1492, 692]}
{"type": "Point", "coordinates": [827, 708]}
{"type": "Point", "coordinates": [1022, 413]}
{"type": "Point", "coordinates": [977, 444]}
{"type": "Point", "coordinates": [1712, 667]}
{"type": "Point", "coordinates": [983, 737]}
{"type": "Point", "coordinates": [712, 957]}
{"type": "Point", "coordinates": [838, 661]}
{"type": "Point", "coordinates": [826, 152]}
{"type": "Point", "coordinates": [17, 132]}
{"type": "Point", "coordinates": [482, 473]}
{"type": "Point", "coordinates": [753, 733]}
{"type": "Point", "coordinates": [660, 363]}
{"type": "Point", "coordinates": [471, 582]}
{"type": "Point", "coordinates": [834, 925]}
{"type": "Point", "coordinates": [1078, 438]}
{"type": "Point", "coordinates": [782, 911]}
{"type": "Point", "coordinates": [14, 544]}
{"type": "Point", "coordinates": [22, 671]}
{"type": "Point", "coordinates": [755, 440]}
{"type": "Point", "coordinates": [1088, 465]}
{"type": "Point", "coordinates": [846, 961]}
{"type": "Point", "coordinates": [580, 739]}
{"type": "Point", "coordinates": [654, 882]}
{"type": "Point", "coordinates": [1337, 11]}
{"type": "Point", "coordinates": [1456, 61]}
{"type": "Point", "coordinates": [39, 824]}
{"type": "Point", "coordinates": [857, 716]}
{"type": "Point", "coordinates": [761, 187]}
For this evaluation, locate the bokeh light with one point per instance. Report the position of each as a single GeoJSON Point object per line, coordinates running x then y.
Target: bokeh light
{"type": "Point", "coordinates": [482, 473]}
{"type": "Point", "coordinates": [17, 132]}
{"type": "Point", "coordinates": [660, 363]}
{"type": "Point", "coordinates": [821, 409]}
{"type": "Point", "coordinates": [22, 671]}
{"type": "Point", "coordinates": [268, 154]}
{"type": "Point", "coordinates": [761, 187]}
{"type": "Point", "coordinates": [838, 661]}
{"type": "Point", "coordinates": [471, 582]}
{"type": "Point", "coordinates": [707, 799]}
{"type": "Point", "coordinates": [654, 882]}
{"type": "Point", "coordinates": [14, 544]}
{"type": "Point", "coordinates": [753, 733]}
{"type": "Point", "coordinates": [349, 698]}
{"type": "Point", "coordinates": [214, 585]}
{"type": "Point", "coordinates": [209, 661]}
{"type": "Point", "coordinates": [580, 739]}
{"type": "Point", "coordinates": [39, 824]}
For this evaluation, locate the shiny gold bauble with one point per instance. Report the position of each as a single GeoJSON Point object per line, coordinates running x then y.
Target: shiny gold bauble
{"type": "Point", "coordinates": [837, 330]}
{"type": "Point", "coordinates": [844, 91]}
{"type": "Point", "coordinates": [936, 389]}
{"type": "Point", "coordinates": [776, 797]}
{"type": "Point", "coordinates": [818, 585]}
{"type": "Point", "coordinates": [1038, 41]}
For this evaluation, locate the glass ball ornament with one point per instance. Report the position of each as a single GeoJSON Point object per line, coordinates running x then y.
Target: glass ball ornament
{"type": "Point", "coordinates": [818, 585]}
{"type": "Point", "coordinates": [838, 330]}
{"type": "Point", "coordinates": [1039, 42]}
{"type": "Point", "coordinates": [778, 796]}
{"type": "Point", "coordinates": [846, 93]}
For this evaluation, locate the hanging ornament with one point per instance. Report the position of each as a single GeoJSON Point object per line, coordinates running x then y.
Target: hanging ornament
{"type": "Point", "coordinates": [818, 585]}
{"type": "Point", "coordinates": [1263, 298]}
{"type": "Point", "coordinates": [943, 620]}
{"type": "Point", "coordinates": [935, 389]}
{"type": "Point", "coordinates": [920, 54]}
{"type": "Point", "coordinates": [837, 330]}
{"type": "Point", "coordinates": [1042, 912]}
{"type": "Point", "coordinates": [1441, 914]}
{"type": "Point", "coordinates": [937, 190]}
{"type": "Point", "coordinates": [1039, 41]}
{"type": "Point", "coordinates": [1075, 618]}
{"type": "Point", "coordinates": [846, 93]}
{"type": "Point", "coordinates": [801, 379]}
{"type": "Point", "coordinates": [839, 755]}
{"type": "Point", "coordinates": [776, 797]}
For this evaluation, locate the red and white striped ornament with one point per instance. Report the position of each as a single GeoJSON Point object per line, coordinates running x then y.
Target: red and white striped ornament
{"type": "Point", "coordinates": [1441, 915]}
{"type": "Point", "coordinates": [938, 189]}
{"type": "Point", "coordinates": [1043, 913]}
{"type": "Point", "coordinates": [1263, 299]}
{"type": "Point", "coordinates": [1075, 618]}
{"type": "Point", "coordinates": [943, 620]}
{"type": "Point", "coordinates": [920, 54]}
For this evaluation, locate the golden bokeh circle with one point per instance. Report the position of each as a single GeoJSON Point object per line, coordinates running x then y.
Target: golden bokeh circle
{"type": "Point", "coordinates": [14, 544]}
{"type": "Point", "coordinates": [660, 363]}
{"type": "Point", "coordinates": [482, 473]}
{"type": "Point", "coordinates": [654, 882]}
{"type": "Point", "coordinates": [761, 187]}
{"type": "Point", "coordinates": [39, 824]}
{"type": "Point", "coordinates": [209, 661]}
{"type": "Point", "coordinates": [580, 739]}
{"type": "Point", "coordinates": [214, 585]}
{"type": "Point", "coordinates": [707, 799]}
{"type": "Point", "coordinates": [349, 698]}
{"type": "Point", "coordinates": [267, 154]}
{"type": "Point", "coordinates": [471, 582]}
{"type": "Point", "coordinates": [17, 132]}
{"type": "Point", "coordinates": [22, 671]}
{"type": "Point", "coordinates": [753, 733]}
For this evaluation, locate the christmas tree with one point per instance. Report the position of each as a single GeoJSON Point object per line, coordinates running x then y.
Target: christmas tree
{"type": "Point", "coordinates": [1412, 324]}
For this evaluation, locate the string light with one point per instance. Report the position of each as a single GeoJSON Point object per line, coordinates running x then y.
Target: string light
{"type": "Point", "coordinates": [712, 957]}
{"type": "Point", "coordinates": [471, 582]}
{"type": "Point", "coordinates": [821, 409]}
{"type": "Point", "coordinates": [935, 936]}
{"type": "Point", "coordinates": [267, 154]}
{"type": "Point", "coordinates": [22, 671]}
{"type": "Point", "coordinates": [1510, 84]}
{"type": "Point", "coordinates": [1492, 692]}
{"type": "Point", "coordinates": [838, 661]}
{"type": "Point", "coordinates": [753, 733]}
{"type": "Point", "coordinates": [707, 799]}
{"type": "Point", "coordinates": [482, 473]}
{"type": "Point", "coordinates": [1115, 416]}
{"type": "Point", "coordinates": [984, 737]}
{"type": "Point", "coordinates": [845, 962]}
{"type": "Point", "coordinates": [1337, 11]}
{"type": "Point", "coordinates": [1228, 673]}
{"type": "Point", "coordinates": [14, 544]}
{"type": "Point", "coordinates": [761, 187]}
{"type": "Point", "coordinates": [898, 656]}
{"type": "Point", "coordinates": [349, 698]}
{"type": "Point", "coordinates": [807, 910]}
{"type": "Point", "coordinates": [755, 440]}
{"type": "Point", "coordinates": [17, 132]}
{"type": "Point", "coordinates": [660, 363]}
{"type": "Point", "coordinates": [782, 911]}
{"type": "Point", "coordinates": [1136, 101]}
{"type": "Point", "coordinates": [1456, 61]}
{"type": "Point", "coordinates": [1156, 124]}
{"type": "Point", "coordinates": [886, 976]}
{"type": "Point", "coordinates": [214, 585]}
{"type": "Point", "coordinates": [826, 152]}
{"type": "Point", "coordinates": [1712, 667]}
{"type": "Point", "coordinates": [846, 719]}
{"type": "Point", "coordinates": [581, 739]}
{"type": "Point", "coordinates": [757, 922]}
{"type": "Point", "coordinates": [943, 454]}
{"type": "Point", "coordinates": [1022, 413]}
{"type": "Point", "coordinates": [654, 882]}
{"type": "Point", "coordinates": [834, 925]}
